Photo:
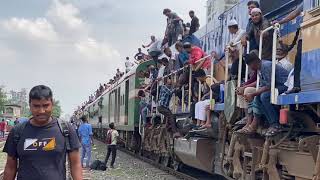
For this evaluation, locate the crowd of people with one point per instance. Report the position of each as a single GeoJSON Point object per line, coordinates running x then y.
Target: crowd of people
{"type": "Point", "coordinates": [161, 84]}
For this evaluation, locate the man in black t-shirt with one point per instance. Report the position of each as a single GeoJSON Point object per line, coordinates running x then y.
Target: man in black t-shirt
{"type": "Point", "coordinates": [37, 150]}
{"type": "Point", "coordinates": [195, 25]}
{"type": "Point", "coordinates": [139, 56]}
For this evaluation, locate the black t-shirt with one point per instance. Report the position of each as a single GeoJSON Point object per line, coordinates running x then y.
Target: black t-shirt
{"type": "Point", "coordinates": [139, 56]}
{"type": "Point", "coordinates": [41, 151]}
{"type": "Point", "coordinates": [194, 25]}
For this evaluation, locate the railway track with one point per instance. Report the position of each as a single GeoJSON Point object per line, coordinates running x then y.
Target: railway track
{"type": "Point", "coordinates": [159, 166]}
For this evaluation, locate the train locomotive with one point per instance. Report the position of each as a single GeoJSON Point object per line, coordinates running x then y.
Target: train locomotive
{"type": "Point", "coordinates": [294, 154]}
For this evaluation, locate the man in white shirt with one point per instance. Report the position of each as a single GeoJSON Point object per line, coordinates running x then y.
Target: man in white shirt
{"type": "Point", "coordinates": [235, 31]}
{"type": "Point", "coordinates": [128, 64]}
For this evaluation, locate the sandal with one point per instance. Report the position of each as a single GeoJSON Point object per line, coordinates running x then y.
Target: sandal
{"type": "Point", "coordinates": [249, 130]}
{"type": "Point", "coordinates": [272, 131]}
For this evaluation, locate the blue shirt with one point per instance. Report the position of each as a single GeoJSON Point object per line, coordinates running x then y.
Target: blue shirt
{"type": "Point", "coordinates": [183, 58]}
{"type": "Point", "coordinates": [165, 96]}
{"type": "Point", "coordinates": [265, 74]}
{"type": "Point", "coordinates": [85, 131]}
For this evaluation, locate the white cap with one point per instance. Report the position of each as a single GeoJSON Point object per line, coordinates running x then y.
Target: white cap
{"type": "Point", "coordinates": [232, 22]}
{"type": "Point", "coordinates": [256, 10]}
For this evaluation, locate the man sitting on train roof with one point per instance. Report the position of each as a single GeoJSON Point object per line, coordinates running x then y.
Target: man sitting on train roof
{"type": "Point", "coordinates": [236, 32]}
{"type": "Point", "coordinates": [261, 98]}
{"type": "Point", "coordinates": [259, 23]}
{"type": "Point", "coordinates": [139, 56]}
{"type": "Point", "coordinates": [196, 54]}
{"type": "Point", "coordinates": [128, 64]}
{"type": "Point", "coordinates": [183, 56]}
{"type": "Point", "coordinates": [166, 91]}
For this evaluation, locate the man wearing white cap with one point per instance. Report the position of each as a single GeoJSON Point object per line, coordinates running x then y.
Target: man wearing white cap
{"type": "Point", "coordinates": [235, 31]}
{"type": "Point", "coordinates": [259, 24]}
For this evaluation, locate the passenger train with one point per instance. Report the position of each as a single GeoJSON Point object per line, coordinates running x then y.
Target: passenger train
{"type": "Point", "coordinates": [292, 155]}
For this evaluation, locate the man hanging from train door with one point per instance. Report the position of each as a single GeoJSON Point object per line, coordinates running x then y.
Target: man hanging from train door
{"type": "Point", "coordinates": [163, 106]}
{"type": "Point", "coordinates": [297, 64]}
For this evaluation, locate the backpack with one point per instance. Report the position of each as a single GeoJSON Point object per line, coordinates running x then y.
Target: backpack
{"type": "Point", "coordinates": [98, 165]}
{"type": "Point", "coordinates": [63, 126]}
{"type": "Point", "coordinates": [109, 137]}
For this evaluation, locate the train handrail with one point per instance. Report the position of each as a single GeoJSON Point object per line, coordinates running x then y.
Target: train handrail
{"type": "Point", "coordinates": [260, 51]}
{"type": "Point", "coordinates": [247, 67]}
{"type": "Point", "coordinates": [274, 92]}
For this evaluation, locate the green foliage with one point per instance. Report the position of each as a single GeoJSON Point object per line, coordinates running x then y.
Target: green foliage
{"type": "Point", "coordinates": [56, 109]}
{"type": "Point", "coordinates": [3, 100]}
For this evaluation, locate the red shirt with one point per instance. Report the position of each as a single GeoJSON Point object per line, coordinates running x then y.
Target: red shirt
{"type": "Point", "coordinates": [196, 54]}
{"type": "Point", "coordinates": [2, 126]}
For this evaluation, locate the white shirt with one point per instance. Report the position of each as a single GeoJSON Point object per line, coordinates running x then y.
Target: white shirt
{"type": "Point", "coordinates": [160, 73]}
{"type": "Point", "coordinates": [156, 46]}
{"type": "Point", "coordinates": [128, 65]}
{"type": "Point", "coordinates": [286, 64]}
{"type": "Point", "coordinates": [237, 36]}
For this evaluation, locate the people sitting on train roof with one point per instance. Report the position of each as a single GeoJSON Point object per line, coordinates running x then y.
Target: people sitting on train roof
{"type": "Point", "coordinates": [144, 105]}
{"type": "Point", "coordinates": [236, 32]}
{"type": "Point", "coordinates": [183, 56]}
{"type": "Point", "coordinates": [166, 91]}
{"type": "Point", "coordinates": [261, 98]}
{"type": "Point", "coordinates": [139, 56]}
{"type": "Point", "coordinates": [128, 64]}
{"type": "Point", "coordinates": [155, 48]}
{"type": "Point", "coordinates": [259, 23]}
{"type": "Point", "coordinates": [297, 65]}
{"type": "Point", "coordinates": [174, 29]}
{"type": "Point", "coordinates": [195, 25]}
{"type": "Point", "coordinates": [196, 56]}
{"type": "Point", "coordinates": [251, 5]}
{"type": "Point", "coordinates": [153, 40]}
{"type": "Point", "coordinates": [118, 74]}
{"type": "Point", "coordinates": [201, 114]}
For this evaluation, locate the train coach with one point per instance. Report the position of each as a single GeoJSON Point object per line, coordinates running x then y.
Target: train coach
{"type": "Point", "coordinates": [292, 155]}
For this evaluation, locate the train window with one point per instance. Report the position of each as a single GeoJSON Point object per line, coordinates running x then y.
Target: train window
{"type": "Point", "coordinates": [268, 7]}
{"type": "Point", "coordinates": [315, 3]}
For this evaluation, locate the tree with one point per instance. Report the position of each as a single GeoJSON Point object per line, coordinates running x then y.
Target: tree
{"type": "Point", "coordinates": [3, 100]}
{"type": "Point", "coordinates": [56, 109]}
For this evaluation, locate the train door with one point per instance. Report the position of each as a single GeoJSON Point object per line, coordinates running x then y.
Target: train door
{"type": "Point", "coordinates": [126, 103]}
{"type": "Point", "coordinates": [109, 107]}
{"type": "Point", "coordinates": [118, 104]}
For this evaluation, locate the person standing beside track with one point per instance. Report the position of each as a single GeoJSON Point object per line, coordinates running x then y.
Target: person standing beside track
{"type": "Point", "coordinates": [112, 139]}
{"type": "Point", "coordinates": [37, 148]}
{"type": "Point", "coordinates": [2, 128]}
{"type": "Point", "coordinates": [85, 135]}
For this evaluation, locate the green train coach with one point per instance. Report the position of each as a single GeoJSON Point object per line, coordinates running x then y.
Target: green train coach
{"type": "Point", "coordinates": [119, 104]}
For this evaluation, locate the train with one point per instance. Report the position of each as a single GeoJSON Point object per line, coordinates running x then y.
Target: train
{"type": "Point", "coordinates": [294, 154]}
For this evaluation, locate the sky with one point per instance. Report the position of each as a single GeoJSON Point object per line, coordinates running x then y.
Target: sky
{"type": "Point", "coordinates": [73, 45]}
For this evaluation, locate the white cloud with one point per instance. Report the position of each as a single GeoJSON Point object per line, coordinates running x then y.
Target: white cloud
{"type": "Point", "coordinates": [37, 29]}
{"type": "Point", "coordinates": [57, 49]}
{"type": "Point", "coordinates": [73, 45]}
